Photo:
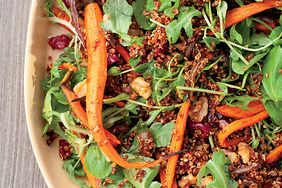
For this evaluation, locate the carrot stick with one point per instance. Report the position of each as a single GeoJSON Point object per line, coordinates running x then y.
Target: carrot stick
{"type": "Point", "coordinates": [123, 52]}
{"type": "Point", "coordinates": [81, 114]}
{"type": "Point", "coordinates": [239, 14]}
{"type": "Point", "coordinates": [163, 178]}
{"type": "Point", "coordinates": [239, 125]}
{"type": "Point", "coordinates": [62, 15]}
{"type": "Point", "coordinates": [96, 81]}
{"type": "Point", "coordinates": [176, 142]}
{"type": "Point", "coordinates": [94, 182]}
{"type": "Point", "coordinates": [274, 155]}
{"type": "Point", "coordinates": [254, 107]}
{"type": "Point", "coordinates": [68, 66]}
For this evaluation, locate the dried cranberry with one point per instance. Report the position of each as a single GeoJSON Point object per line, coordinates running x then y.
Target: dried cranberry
{"type": "Point", "coordinates": [112, 58]}
{"type": "Point", "coordinates": [59, 42]}
{"type": "Point", "coordinates": [65, 149]}
{"type": "Point", "coordinates": [203, 127]}
{"type": "Point", "coordinates": [161, 50]}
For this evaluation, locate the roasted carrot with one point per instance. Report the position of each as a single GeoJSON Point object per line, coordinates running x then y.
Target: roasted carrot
{"type": "Point", "coordinates": [94, 182]}
{"type": "Point", "coordinates": [163, 178]}
{"type": "Point", "coordinates": [62, 15]}
{"type": "Point", "coordinates": [274, 155]}
{"type": "Point", "coordinates": [68, 66]}
{"type": "Point", "coordinates": [239, 14]}
{"type": "Point", "coordinates": [176, 143]}
{"type": "Point", "coordinates": [96, 81]}
{"type": "Point", "coordinates": [81, 114]}
{"type": "Point", "coordinates": [239, 125]}
{"type": "Point", "coordinates": [123, 52]}
{"type": "Point", "coordinates": [254, 107]}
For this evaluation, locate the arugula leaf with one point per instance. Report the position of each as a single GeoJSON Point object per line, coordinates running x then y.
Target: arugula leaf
{"type": "Point", "coordinates": [117, 178]}
{"type": "Point", "coordinates": [96, 163]}
{"type": "Point", "coordinates": [131, 173]}
{"type": "Point", "coordinates": [150, 5]}
{"type": "Point", "coordinates": [117, 18]}
{"type": "Point", "coordinates": [221, 10]}
{"type": "Point", "coordinates": [218, 168]}
{"type": "Point", "coordinates": [74, 169]}
{"type": "Point", "coordinates": [184, 20]}
{"type": "Point", "coordinates": [240, 67]}
{"type": "Point", "coordinates": [272, 77]}
{"type": "Point", "coordinates": [162, 133]}
{"type": "Point", "coordinates": [240, 101]}
{"type": "Point", "coordinates": [235, 36]}
{"type": "Point", "coordinates": [142, 20]}
{"type": "Point", "coordinates": [274, 109]}
{"type": "Point", "coordinates": [165, 4]}
{"type": "Point", "coordinates": [170, 12]}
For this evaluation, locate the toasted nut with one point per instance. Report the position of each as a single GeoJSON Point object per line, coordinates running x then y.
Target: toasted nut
{"type": "Point", "coordinates": [142, 87]}
{"type": "Point", "coordinates": [80, 89]}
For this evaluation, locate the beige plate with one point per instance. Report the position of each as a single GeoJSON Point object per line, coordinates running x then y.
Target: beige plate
{"type": "Point", "coordinates": [36, 59]}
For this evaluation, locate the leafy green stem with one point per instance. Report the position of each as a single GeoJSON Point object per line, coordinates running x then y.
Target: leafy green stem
{"type": "Point", "coordinates": [201, 90]}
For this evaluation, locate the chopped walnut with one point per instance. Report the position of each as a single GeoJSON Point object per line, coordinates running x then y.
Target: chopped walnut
{"type": "Point", "coordinates": [200, 110]}
{"type": "Point", "coordinates": [206, 180]}
{"type": "Point", "coordinates": [244, 150]}
{"type": "Point", "coordinates": [142, 87]}
{"type": "Point", "coordinates": [188, 180]}
{"type": "Point", "coordinates": [232, 156]}
{"type": "Point", "coordinates": [80, 89]}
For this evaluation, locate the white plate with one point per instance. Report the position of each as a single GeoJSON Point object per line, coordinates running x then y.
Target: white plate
{"type": "Point", "coordinates": [37, 53]}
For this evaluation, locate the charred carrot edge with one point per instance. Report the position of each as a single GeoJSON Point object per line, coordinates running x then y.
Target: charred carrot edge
{"type": "Point", "coordinates": [274, 155]}
{"type": "Point", "coordinates": [62, 15]}
{"type": "Point", "coordinates": [176, 142]}
{"type": "Point", "coordinates": [123, 52]}
{"type": "Point", "coordinates": [239, 14]}
{"type": "Point", "coordinates": [163, 178]}
{"type": "Point", "coordinates": [94, 182]}
{"type": "Point", "coordinates": [239, 125]}
{"type": "Point", "coordinates": [68, 66]}
{"type": "Point", "coordinates": [254, 107]}
{"type": "Point", "coordinates": [81, 114]}
{"type": "Point", "coordinates": [96, 81]}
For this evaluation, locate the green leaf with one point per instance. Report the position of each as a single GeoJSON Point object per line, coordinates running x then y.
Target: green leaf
{"type": "Point", "coordinates": [120, 97]}
{"type": "Point", "coordinates": [240, 67]}
{"type": "Point", "coordinates": [235, 36]}
{"type": "Point", "coordinates": [280, 20]}
{"type": "Point", "coordinates": [221, 10]}
{"type": "Point", "coordinates": [274, 109]}
{"type": "Point", "coordinates": [162, 133]}
{"type": "Point", "coordinates": [170, 12]}
{"type": "Point", "coordinates": [165, 4]}
{"type": "Point", "coordinates": [150, 5]}
{"type": "Point", "coordinates": [240, 101]}
{"type": "Point", "coordinates": [117, 18]}
{"type": "Point", "coordinates": [117, 179]}
{"type": "Point", "coordinates": [155, 184]}
{"type": "Point", "coordinates": [217, 167]}
{"type": "Point", "coordinates": [150, 173]}
{"type": "Point", "coordinates": [133, 62]}
{"type": "Point", "coordinates": [184, 20]}
{"type": "Point", "coordinates": [96, 163]}
{"type": "Point", "coordinates": [272, 77]}
{"type": "Point", "coordinates": [114, 71]}
{"type": "Point", "coordinates": [153, 115]}
{"type": "Point", "coordinates": [74, 169]}
{"type": "Point", "coordinates": [142, 20]}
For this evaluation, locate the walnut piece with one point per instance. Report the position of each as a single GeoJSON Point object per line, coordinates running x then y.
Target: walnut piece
{"type": "Point", "coordinates": [142, 87]}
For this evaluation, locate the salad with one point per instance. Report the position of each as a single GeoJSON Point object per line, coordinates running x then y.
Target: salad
{"type": "Point", "coordinates": [166, 93]}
